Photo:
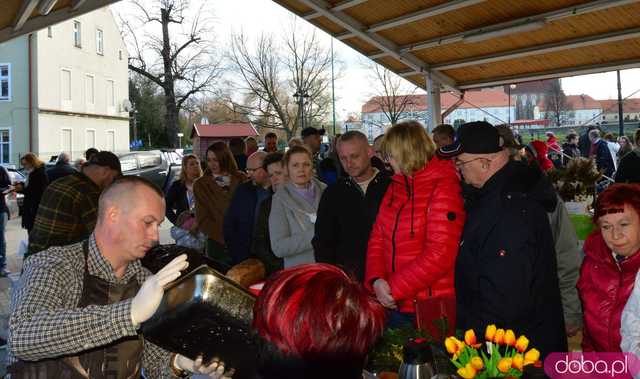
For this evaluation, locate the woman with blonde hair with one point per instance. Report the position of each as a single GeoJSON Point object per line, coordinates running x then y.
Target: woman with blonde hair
{"type": "Point", "coordinates": [213, 192]}
{"type": "Point", "coordinates": [32, 188]}
{"type": "Point", "coordinates": [294, 208]}
{"type": "Point", "coordinates": [414, 242]}
{"type": "Point", "coordinates": [180, 196]}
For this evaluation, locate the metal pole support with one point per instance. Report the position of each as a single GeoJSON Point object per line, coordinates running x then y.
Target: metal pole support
{"type": "Point", "coordinates": [433, 101]}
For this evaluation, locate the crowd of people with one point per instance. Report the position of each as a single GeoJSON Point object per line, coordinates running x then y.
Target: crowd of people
{"type": "Point", "coordinates": [349, 241]}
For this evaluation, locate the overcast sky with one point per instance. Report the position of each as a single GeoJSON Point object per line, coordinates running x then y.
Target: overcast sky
{"type": "Point", "coordinates": [353, 88]}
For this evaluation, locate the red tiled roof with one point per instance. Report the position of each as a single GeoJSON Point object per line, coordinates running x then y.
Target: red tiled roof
{"type": "Point", "coordinates": [225, 130]}
{"type": "Point", "coordinates": [582, 102]}
{"type": "Point", "coordinates": [482, 99]}
{"type": "Point", "coordinates": [576, 102]}
{"type": "Point", "coordinates": [628, 106]}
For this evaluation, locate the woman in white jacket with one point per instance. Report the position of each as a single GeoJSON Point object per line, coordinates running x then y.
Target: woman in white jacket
{"type": "Point", "coordinates": [294, 208]}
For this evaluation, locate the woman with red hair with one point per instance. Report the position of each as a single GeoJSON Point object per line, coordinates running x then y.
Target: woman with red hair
{"type": "Point", "coordinates": [610, 266]}
{"type": "Point", "coordinates": [315, 322]}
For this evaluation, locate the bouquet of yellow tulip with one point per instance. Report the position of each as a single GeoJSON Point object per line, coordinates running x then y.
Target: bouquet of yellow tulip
{"type": "Point", "coordinates": [472, 362]}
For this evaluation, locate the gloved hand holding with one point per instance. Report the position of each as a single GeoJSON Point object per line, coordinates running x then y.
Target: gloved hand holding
{"type": "Point", "coordinates": [214, 370]}
{"type": "Point", "coordinates": [149, 296]}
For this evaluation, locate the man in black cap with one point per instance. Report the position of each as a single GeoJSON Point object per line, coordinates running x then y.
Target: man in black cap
{"type": "Point", "coordinates": [69, 207]}
{"type": "Point", "coordinates": [506, 267]}
{"type": "Point", "coordinates": [312, 139]}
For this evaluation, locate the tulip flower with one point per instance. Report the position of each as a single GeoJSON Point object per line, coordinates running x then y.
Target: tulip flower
{"type": "Point", "coordinates": [476, 362]}
{"type": "Point", "coordinates": [451, 345]}
{"type": "Point", "coordinates": [522, 343]}
{"type": "Point", "coordinates": [490, 332]}
{"type": "Point", "coordinates": [499, 337]}
{"type": "Point", "coordinates": [470, 339]}
{"type": "Point", "coordinates": [504, 364]}
{"type": "Point", "coordinates": [518, 362]}
{"type": "Point", "coordinates": [509, 338]}
{"type": "Point", "coordinates": [531, 356]}
{"type": "Point", "coordinates": [467, 372]}
{"type": "Point", "coordinates": [454, 346]}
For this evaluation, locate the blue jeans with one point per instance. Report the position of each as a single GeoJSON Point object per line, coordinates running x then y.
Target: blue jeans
{"type": "Point", "coordinates": [3, 241]}
{"type": "Point", "coordinates": [397, 319]}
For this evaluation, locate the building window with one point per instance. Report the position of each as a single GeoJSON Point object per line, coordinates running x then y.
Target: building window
{"type": "Point", "coordinates": [5, 145]}
{"type": "Point", "coordinates": [77, 35]}
{"type": "Point", "coordinates": [111, 140]}
{"type": "Point", "coordinates": [65, 85]}
{"type": "Point", "coordinates": [99, 42]}
{"type": "Point", "coordinates": [90, 139]}
{"type": "Point", "coordinates": [90, 89]}
{"type": "Point", "coordinates": [111, 93]}
{"type": "Point", "coordinates": [120, 54]}
{"type": "Point", "coordinates": [66, 140]}
{"type": "Point", "coordinates": [5, 81]}
{"type": "Point", "coordinates": [49, 32]}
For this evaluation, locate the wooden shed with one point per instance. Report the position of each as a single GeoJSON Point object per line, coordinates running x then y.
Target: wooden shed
{"type": "Point", "coordinates": [203, 135]}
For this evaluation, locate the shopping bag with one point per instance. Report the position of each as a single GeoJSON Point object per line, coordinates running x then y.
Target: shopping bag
{"type": "Point", "coordinates": [436, 316]}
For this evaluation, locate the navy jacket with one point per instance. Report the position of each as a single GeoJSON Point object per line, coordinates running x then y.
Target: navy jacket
{"type": "Point", "coordinates": [59, 170]}
{"type": "Point", "coordinates": [604, 160]}
{"type": "Point", "coordinates": [240, 219]}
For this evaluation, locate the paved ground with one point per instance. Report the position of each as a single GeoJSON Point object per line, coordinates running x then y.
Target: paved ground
{"type": "Point", "coordinates": [15, 234]}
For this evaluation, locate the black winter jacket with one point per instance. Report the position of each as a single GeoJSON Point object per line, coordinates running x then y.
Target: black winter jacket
{"type": "Point", "coordinates": [38, 182]}
{"type": "Point", "coordinates": [629, 168]}
{"type": "Point", "coordinates": [506, 268]}
{"type": "Point", "coordinates": [261, 242]}
{"type": "Point", "coordinates": [176, 200]}
{"type": "Point", "coordinates": [345, 219]}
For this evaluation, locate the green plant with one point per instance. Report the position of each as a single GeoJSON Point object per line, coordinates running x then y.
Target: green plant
{"type": "Point", "coordinates": [387, 353]}
{"type": "Point", "coordinates": [576, 182]}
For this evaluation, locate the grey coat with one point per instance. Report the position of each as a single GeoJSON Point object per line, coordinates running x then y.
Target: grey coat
{"type": "Point", "coordinates": [291, 224]}
{"type": "Point", "coordinates": [569, 260]}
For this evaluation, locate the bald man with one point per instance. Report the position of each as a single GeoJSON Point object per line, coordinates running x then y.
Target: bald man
{"type": "Point", "coordinates": [349, 208]}
{"type": "Point", "coordinates": [77, 309]}
{"type": "Point", "coordinates": [240, 217]}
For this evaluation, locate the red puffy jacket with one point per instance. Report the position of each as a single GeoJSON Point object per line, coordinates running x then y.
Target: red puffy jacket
{"type": "Point", "coordinates": [604, 287]}
{"type": "Point", "coordinates": [414, 242]}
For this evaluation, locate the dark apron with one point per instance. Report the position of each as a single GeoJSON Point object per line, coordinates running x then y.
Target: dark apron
{"type": "Point", "coordinates": [120, 359]}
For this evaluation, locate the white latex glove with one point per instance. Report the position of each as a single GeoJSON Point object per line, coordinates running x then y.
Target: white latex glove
{"type": "Point", "coordinates": [383, 293]}
{"type": "Point", "coordinates": [149, 296]}
{"type": "Point", "coordinates": [214, 370]}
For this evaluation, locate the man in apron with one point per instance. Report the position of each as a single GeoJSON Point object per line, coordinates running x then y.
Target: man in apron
{"type": "Point", "coordinates": [77, 309]}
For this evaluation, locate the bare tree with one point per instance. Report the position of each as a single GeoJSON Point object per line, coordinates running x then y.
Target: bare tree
{"type": "Point", "coordinates": [177, 57]}
{"type": "Point", "coordinates": [555, 102]}
{"type": "Point", "coordinates": [392, 95]}
{"type": "Point", "coordinates": [271, 74]}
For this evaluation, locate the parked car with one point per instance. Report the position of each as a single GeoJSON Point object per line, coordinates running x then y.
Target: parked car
{"type": "Point", "coordinates": [161, 167]}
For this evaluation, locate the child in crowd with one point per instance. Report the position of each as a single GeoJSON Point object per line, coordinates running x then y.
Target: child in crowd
{"type": "Point", "coordinates": [186, 233]}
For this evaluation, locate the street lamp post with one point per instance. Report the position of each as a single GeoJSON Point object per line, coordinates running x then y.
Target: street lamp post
{"type": "Point", "coordinates": [301, 97]}
{"type": "Point", "coordinates": [511, 86]}
{"type": "Point", "coordinates": [180, 135]}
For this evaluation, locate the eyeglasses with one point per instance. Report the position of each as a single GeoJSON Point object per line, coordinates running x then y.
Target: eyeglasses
{"type": "Point", "coordinates": [253, 169]}
{"type": "Point", "coordinates": [459, 162]}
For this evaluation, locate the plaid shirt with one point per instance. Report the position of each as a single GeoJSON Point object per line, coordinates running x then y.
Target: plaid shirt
{"type": "Point", "coordinates": [45, 321]}
{"type": "Point", "coordinates": [67, 213]}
